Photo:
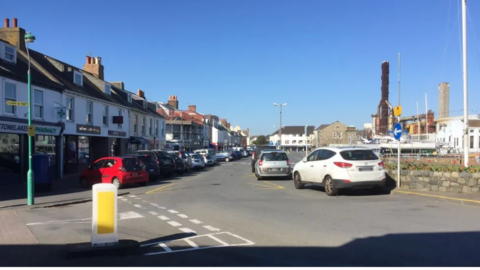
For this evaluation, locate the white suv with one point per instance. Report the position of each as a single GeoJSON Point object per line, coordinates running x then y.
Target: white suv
{"type": "Point", "coordinates": [340, 167]}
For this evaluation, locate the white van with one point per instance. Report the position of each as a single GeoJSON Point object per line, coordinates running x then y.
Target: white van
{"type": "Point", "coordinates": [209, 151]}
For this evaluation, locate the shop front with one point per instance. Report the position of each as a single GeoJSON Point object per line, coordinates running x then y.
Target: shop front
{"type": "Point", "coordinates": [118, 142]}
{"type": "Point", "coordinates": [138, 143]}
{"type": "Point", "coordinates": [14, 148]}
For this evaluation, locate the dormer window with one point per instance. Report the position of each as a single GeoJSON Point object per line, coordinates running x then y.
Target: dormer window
{"type": "Point", "coordinates": [77, 78]}
{"type": "Point", "coordinates": [107, 89]}
{"type": "Point", "coordinates": [144, 103]}
{"type": "Point", "coordinates": [129, 98]}
{"type": "Point", "coordinates": [9, 53]}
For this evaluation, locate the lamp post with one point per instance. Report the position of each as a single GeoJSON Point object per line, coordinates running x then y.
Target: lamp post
{"type": "Point", "coordinates": [280, 129]}
{"type": "Point", "coordinates": [29, 38]}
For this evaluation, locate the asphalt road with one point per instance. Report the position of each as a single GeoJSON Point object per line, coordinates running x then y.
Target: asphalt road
{"type": "Point", "coordinates": [223, 216]}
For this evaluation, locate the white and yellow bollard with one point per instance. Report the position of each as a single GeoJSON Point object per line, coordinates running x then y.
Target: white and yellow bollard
{"type": "Point", "coordinates": [104, 219]}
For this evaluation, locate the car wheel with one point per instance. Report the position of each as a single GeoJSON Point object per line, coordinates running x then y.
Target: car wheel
{"type": "Point", "coordinates": [227, 159]}
{"type": "Point", "coordinates": [330, 188]}
{"type": "Point", "coordinates": [298, 181]}
{"type": "Point", "coordinates": [259, 177]}
{"type": "Point", "coordinates": [117, 182]}
{"type": "Point", "coordinates": [83, 182]}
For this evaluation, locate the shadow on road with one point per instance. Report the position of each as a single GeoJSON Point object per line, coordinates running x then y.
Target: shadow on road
{"type": "Point", "coordinates": [414, 249]}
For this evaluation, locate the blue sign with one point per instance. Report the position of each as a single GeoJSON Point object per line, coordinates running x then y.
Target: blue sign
{"type": "Point", "coordinates": [397, 131]}
{"type": "Point", "coordinates": [277, 143]}
{"type": "Point", "coordinates": [270, 143]}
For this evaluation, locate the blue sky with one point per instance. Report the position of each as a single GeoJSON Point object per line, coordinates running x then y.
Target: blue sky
{"type": "Point", "coordinates": [234, 58]}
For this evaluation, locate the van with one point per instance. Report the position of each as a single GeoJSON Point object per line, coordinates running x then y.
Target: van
{"type": "Point", "coordinates": [205, 151]}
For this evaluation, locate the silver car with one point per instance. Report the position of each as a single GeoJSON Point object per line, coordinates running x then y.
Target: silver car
{"type": "Point", "coordinates": [273, 164]}
{"type": "Point", "coordinates": [197, 161]}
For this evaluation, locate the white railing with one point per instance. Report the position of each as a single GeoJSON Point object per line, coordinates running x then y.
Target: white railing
{"type": "Point", "coordinates": [424, 137]}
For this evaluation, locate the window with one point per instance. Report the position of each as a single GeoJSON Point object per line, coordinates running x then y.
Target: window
{"type": "Point", "coordinates": [108, 89]}
{"type": "Point", "coordinates": [150, 128]}
{"type": "Point", "coordinates": [340, 135]}
{"type": "Point", "coordinates": [77, 78]}
{"type": "Point", "coordinates": [358, 155]}
{"type": "Point", "coordinates": [145, 104]}
{"type": "Point", "coordinates": [143, 125]}
{"type": "Point", "coordinates": [10, 53]}
{"type": "Point", "coordinates": [83, 149]}
{"type": "Point", "coordinates": [135, 124]}
{"type": "Point", "coordinates": [156, 128]}
{"type": "Point", "coordinates": [38, 104]}
{"type": "Point", "coordinates": [10, 95]}
{"type": "Point", "coordinates": [69, 109]}
{"type": "Point", "coordinates": [105, 116]}
{"type": "Point", "coordinates": [471, 141]}
{"type": "Point", "coordinates": [120, 114]}
{"type": "Point", "coordinates": [129, 98]}
{"type": "Point", "coordinates": [89, 119]}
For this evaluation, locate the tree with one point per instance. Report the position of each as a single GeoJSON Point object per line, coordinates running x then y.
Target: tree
{"type": "Point", "coordinates": [261, 140]}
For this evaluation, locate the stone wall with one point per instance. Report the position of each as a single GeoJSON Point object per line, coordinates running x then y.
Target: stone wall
{"type": "Point", "coordinates": [456, 182]}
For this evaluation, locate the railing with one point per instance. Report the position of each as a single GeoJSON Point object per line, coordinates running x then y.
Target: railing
{"type": "Point", "coordinates": [424, 137]}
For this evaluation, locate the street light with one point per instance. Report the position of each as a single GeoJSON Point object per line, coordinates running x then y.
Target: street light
{"type": "Point", "coordinates": [29, 38]}
{"type": "Point", "coordinates": [280, 129]}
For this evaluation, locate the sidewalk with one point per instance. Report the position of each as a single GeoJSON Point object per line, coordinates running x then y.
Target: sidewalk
{"type": "Point", "coordinates": [462, 198]}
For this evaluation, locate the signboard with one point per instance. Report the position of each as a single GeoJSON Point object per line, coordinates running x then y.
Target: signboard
{"type": "Point", "coordinates": [31, 131]}
{"type": "Point", "coordinates": [118, 119]}
{"type": "Point", "coordinates": [88, 129]}
{"type": "Point", "coordinates": [397, 131]}
{"type": "Point", "coordinates": [10, 127]}
{"type": "Point", "coordinates": [117, 133]}
{"type": "Point", "coordinates": [17, 103]}
{"type": "Point", "coordinates": [397, 111]}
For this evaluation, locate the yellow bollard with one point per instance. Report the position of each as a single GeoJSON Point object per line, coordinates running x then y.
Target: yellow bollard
{"type": "Point", "coordinates": [104, 219]}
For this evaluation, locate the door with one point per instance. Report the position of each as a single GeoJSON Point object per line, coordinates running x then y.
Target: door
{"type": "Point", "coordinates": [94, 174]}
{"type": "Point", "coordinates": [309, 167]}
{"type": "Point", "coordinates": [108, 170]}
{"type": "Point", "coordinates": [323, 165]}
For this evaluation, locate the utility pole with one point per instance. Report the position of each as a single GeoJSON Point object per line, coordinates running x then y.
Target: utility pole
{"type": "Point", "coordinates": [465, 83]}
{"type": "Point", "coordinates": [280, 128]}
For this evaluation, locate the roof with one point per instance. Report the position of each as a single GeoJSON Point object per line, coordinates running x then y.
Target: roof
{"type": "Point", "coordinates": [287, 130]}
{"type": "Point", "coordinates": [39, 75]}
{"type": "Point", "coordinates": [323, 126]}
{"type": "Point", "coordinates": [473, 123]}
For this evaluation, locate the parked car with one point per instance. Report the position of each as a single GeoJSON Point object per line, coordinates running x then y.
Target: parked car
{"type": "Point", "coordinates": [163, 159]}
{"type": "Point", "coordinates": [209, 161]}
{"type": "Point", "coordinates": [116, 170]}
{"type": "Point", "coordinates": [338, 168]}
{"type": "Point", "coordinates": [179, 163]}
{"type": "Point", "coordinates": [209, 151]}
{"type": "Point", "coordinates": [244, 153]}
{"type": "Point", "coordinates": [273, 164]}
{"type": "Point", "coordinates": [198, 162]}
{"type": "Point", "coordinates": [224, 156]}
{"type": "Point", "coordinates": [186, 158]}
{"type": "Point", "coordinates": [257, 151]}
{"type": "Point", "coordinates": [152, 168]}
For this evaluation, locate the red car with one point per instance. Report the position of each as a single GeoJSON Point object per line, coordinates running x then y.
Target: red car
{"type": "Point", "coordinates": [115, 170]}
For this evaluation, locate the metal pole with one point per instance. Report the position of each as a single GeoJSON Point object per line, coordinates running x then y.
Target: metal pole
{"type": "Point", "coordinates": [398, 164]}
{"type": "Point", "coordinates": [30, 174]}
{"type": "Point", "coordinates": [280, 129]}
{"type": "Point", "coordinates": [465, 83]}
{"type": "Point", "coordinates": [426, 115]}
{"type": "Point", "coordinates": [418, 116]}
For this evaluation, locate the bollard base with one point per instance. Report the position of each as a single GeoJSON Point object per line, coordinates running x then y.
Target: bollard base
{"type": "Point", "coordinates": [85, 250]}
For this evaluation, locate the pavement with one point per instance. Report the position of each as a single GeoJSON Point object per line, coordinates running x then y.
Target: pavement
{"type": "Point", "coordinates": [224, 216]}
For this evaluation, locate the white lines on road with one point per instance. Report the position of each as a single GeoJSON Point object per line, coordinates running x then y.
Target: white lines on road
{"type": "Point", "coordinates": [187, 230]}
{"type": "Point", "coordinates": [120, 197]}
{"type": "Point", "coordinates": [182, 216]}
{"type": "Point", "coordinates": [137, 198]}
{"type": "Point", "coordinates": [196, 221]}
{"type": "Point", "coordinates": [124, 200]}
{"type": "Point", "coordinates": [129, 215]}
{"type": "Point", "coordinates": [154, 204]}
{"type": "Point", "coordinates": [163, 218]}
{"type": "Point", "coordinates": [137, 205]}
{"type": "Point", "coordinates": [153, 213]}
{"type": "Point", "coordinates": [191, 243]}
{"type": "Point", "coordinates": [167, 249]}
{"type": "Point", "coordinates": [216, 239]}
{"type": "Point", "coordinates": [173, 211]}
{"type": "Point", "coordinates": [121, 216]}
{"type": "Point", "coordinates": [132, 196]}
{"type": "Point", "coordinates": [174, 223]}
{"type": "Point", "coordinates": [211, 228]}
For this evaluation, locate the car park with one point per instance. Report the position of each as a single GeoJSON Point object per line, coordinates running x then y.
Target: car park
{"type": "Point", "coordinates": [337, 168]}
{"type": "Point", "coordinates": [163, 159]}
{"type": "Point", "coordinates": [273, 164]}
{"type": "Point", "coordinates": [257, 152]}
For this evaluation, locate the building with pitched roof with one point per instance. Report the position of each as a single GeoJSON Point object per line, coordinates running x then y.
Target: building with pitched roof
{"type": "Point", "coordinates": [293, 137]}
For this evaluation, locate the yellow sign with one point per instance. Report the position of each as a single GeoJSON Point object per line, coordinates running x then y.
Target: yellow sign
{"type": "Point", "coordinates": [397, 111]}
{"type": "Point", "coordinates": [17, 103]}
{"type": "Point", "coordinates": [31, 131]}
{"type": "Point", "coordinates": [106, 212]}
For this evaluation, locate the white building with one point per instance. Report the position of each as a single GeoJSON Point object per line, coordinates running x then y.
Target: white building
{"type": "Point", "coordinates": [450, 134]}
{"type": "Point", "coordinates": [294, 137]}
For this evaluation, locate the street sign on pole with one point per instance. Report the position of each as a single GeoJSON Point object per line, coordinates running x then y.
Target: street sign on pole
{"type": "Point", "coordinates": [31, 131]}
{"type": "Point", "coordinates": [397, 131]}
{"type": "Point", "coordinates": [17, 103]}
{"type": "Point", "coordinates": [397, 111]}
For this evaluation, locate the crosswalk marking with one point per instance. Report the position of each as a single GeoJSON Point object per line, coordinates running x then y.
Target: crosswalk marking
{"type": "Point", "coordinates": [167, 249]}
{"type": "Point", "coordinates": [173, 211]}
{"type": "Point", "coordinates": [191, 243]}
{"type": "Point", "coordinates": [153, 213]}
{"type": "Point", "coordinates": [187, 230]}
{"type": "Point", "coordinates": [196, 221]}
{"type": "Point", "coordinates": [211, 228]}
{"type": "Point", "coordinates": [163, 217]}
{"type": "Point", "coordinates": [174, 223]}
{"type": "Point", "coordinates": [182, 216]}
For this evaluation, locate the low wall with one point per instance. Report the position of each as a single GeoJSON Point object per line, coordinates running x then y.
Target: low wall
{"type": "Point", "coordinates": [456, 182]}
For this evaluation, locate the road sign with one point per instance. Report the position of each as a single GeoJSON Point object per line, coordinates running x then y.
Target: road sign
{"type": "Point", "coordinates": [277, 143]}
{"type": "Point", "coordinates": [17, 103]}
{"type": "Point", "coordinates": [270, 143]}
{"type": "Point", "coordinates": [397, 111]}
{"type": "Point", "coordinates": [397, 131]}
{"type": "Point", "coordinates": [31, 131]}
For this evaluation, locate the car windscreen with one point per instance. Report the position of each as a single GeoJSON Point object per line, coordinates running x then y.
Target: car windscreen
{"type": "Point", "coordinates": [132, 164]}
{"type": "Point", "coordinates": [358, 155]}
{"type": "Point", "coordinates": [197, 156]}
{"type": "Point", "coordinates": [274, 156]}
{"type": "Point", "coordinates": [163, 155]}
{"type": "Point", "coordinates": [147, 160]}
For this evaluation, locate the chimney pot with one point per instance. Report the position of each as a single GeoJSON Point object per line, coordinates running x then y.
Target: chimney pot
{"type": "Point", "coordinates": [99, 60]}
{"type": "Point", "coordinates": [14, 22]}
{"type": "Point", "coordinates": [7, 23]}
{"type": "Point", "coordinates": [88, 59]}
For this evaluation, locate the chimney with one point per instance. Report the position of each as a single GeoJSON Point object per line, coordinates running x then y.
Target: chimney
{"type": "Point", "coordinates": [192, 108]}
{"type": "Point", "coordinates": [172, 101]}
{"type": "Point", "coordinates": [14, 36]}
{"type": "Point", "coordinates": [140, 93]}
{"type": "Point", "coordinates": [94, 66]}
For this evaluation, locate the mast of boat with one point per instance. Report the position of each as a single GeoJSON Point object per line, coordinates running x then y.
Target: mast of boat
{"type": "Point", "coordinates": [465, 83]}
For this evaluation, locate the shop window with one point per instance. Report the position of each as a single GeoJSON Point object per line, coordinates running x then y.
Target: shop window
{"type": "Point", "coordinates": [9, 154]}
{"type": "Point", "coordinates": [71, 150]}
{"type": "Point", "coordinates": [45, 144]}
{"type": "Point", "coordinates": [10, 95]}
{"type": "Point", "coordinates": [83, 149]}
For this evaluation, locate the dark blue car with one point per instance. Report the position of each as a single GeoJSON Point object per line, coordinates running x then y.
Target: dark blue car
{"type": "Point", "coordinates": [224, 156]}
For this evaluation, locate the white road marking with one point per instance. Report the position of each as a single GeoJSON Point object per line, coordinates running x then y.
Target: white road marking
{"type": "Point", "coordinates": [167, 249]}
{"type": "Point", "coordinates": [218, 240]}
{"type": "Point", "coordinates": [162, 207]}
{"type": "Point", "coordinates": [163, 217]}
{"type": "Point", "coordinates": [174, 223]}
{"type": "Point", "coordinates": [129, 215]}
{"type": "Point", "coordinates": [211, 228]}
{"type": "Point", "coordinates": [120, 197]}
{"type": "Point", "coordinates": [173, 211]}
{"type": "Point", "coordinates": [137, 198]}
{"type": "Point", "coordinates": [196, 221]}
{"type": "Point", "coordinates": [124, 200]}
{"type": "Point", "coordinates": [187, 230]}
{"type": "Point", "coordinates": [137, 205]}
{"type": "Point", "coordinates": [191, 243]}
{"type": "Point", "coordinates": [121, 216]}
{"type": "Point", "coordinates": [239, 237]}
{"type": "Point", "coordinates": [154, 204]}
{"type": "Point", "coordinates": [153, 213]}
{"type": "Point", "coordinates": [132, 196]}
{"type": "Point", "coordinates": [182, 216]}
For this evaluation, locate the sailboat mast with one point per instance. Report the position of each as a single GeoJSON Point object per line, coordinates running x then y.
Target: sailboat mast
{"type": "Point", "coordinates": [465, 83]}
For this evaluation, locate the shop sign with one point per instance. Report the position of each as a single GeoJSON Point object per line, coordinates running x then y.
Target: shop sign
{"type": "Point", "coordinates": [87, 129]}
{"type": "Point", "coordinates": [9, 127]}
{"type": "Point", "coordinates": [117, 133]}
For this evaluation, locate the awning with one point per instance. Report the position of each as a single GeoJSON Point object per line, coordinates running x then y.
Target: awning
{"type": "Point", "coordinates": [139, 140]}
